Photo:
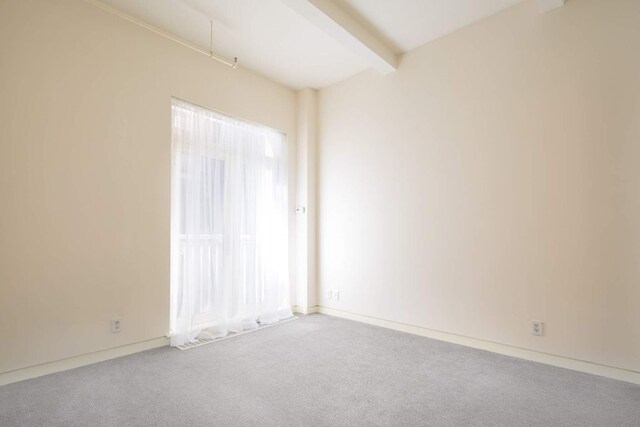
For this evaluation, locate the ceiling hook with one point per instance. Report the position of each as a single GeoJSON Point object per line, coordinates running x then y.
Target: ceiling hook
{"type": "Point", "coordinates": [211, 36]}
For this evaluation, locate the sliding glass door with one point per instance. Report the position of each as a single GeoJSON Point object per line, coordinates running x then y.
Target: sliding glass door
{"type": "Point", "coordinates": [229, 252]}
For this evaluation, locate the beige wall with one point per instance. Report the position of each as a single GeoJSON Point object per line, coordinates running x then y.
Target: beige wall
{"type": "Point", "coordinates": [494, 179]}
{"type": "Point", "coordinates": [84, 172]}
{"type": "Point", "coordinates": [306, 184]}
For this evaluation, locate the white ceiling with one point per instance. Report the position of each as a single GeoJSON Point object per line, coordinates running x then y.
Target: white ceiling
{"type": "Point", "coordinates": [272, 39]}
{"type": "Point", "coordinates": [407, 24]}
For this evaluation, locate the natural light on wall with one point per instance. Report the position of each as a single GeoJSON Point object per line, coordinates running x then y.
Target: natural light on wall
{"type": "Point", "coordinates": [229, 251]}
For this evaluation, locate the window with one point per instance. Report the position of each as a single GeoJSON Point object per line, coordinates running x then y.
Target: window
{"type": "Point", "coordinates": [229, 252]}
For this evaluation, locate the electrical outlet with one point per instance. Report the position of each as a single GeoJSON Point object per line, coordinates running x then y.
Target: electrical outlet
{"type": "Point", "coordinates": [330, 294]}
{"type": "Point", "coordinates": [116, 325]}
{"type": "Point", "coordinates": [537, 328]}
{"type": "Point", "coordinates": [336, 295]}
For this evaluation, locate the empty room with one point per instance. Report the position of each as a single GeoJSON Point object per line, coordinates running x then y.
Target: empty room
{"type": "Point", "coordinates": [319, 213]}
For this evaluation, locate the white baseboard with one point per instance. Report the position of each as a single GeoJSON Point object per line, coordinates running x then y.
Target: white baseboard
{"type": "Point", "coordinates": [98, 356]}
{"type": "Point", "coordinates": [82, 360]}
{"type": "Point", "coordinates": [535, 356]}
{"type": "Point", "coordinates": [549, 359]}
{"type": "Point", "coordinates": [305, 310]}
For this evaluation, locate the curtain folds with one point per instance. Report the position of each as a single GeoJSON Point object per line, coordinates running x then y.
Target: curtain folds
{"type": "Point", "coordinates": [229, 240]}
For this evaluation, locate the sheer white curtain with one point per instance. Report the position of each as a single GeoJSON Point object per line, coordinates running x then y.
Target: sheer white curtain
{"type": "Point", "coordinates": [229, 252]}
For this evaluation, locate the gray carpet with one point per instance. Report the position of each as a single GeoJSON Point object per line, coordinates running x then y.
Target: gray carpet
{"type": "Point", "coordinates": [320, 371]}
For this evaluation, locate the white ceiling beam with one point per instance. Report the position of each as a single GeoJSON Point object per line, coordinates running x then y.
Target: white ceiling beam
{"type": "Point", "coordinates": [337, 23]}
{"type": "Point", "coordinates": [547, 5]}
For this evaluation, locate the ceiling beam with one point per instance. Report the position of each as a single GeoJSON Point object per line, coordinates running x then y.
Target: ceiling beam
{"type": "Point", "coordinates": [547, 5]}
{"type": "Point", "coordinates": [337, 23]}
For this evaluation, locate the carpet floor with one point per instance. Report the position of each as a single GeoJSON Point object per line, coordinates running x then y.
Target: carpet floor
{"type": "Point", "coordinates": [320, 371]}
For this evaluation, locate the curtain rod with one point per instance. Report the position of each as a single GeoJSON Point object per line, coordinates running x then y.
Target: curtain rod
{"type": "Point", "coordinates": [222, 113]}
{"type": "Point", "coordinates": [143, 24]}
